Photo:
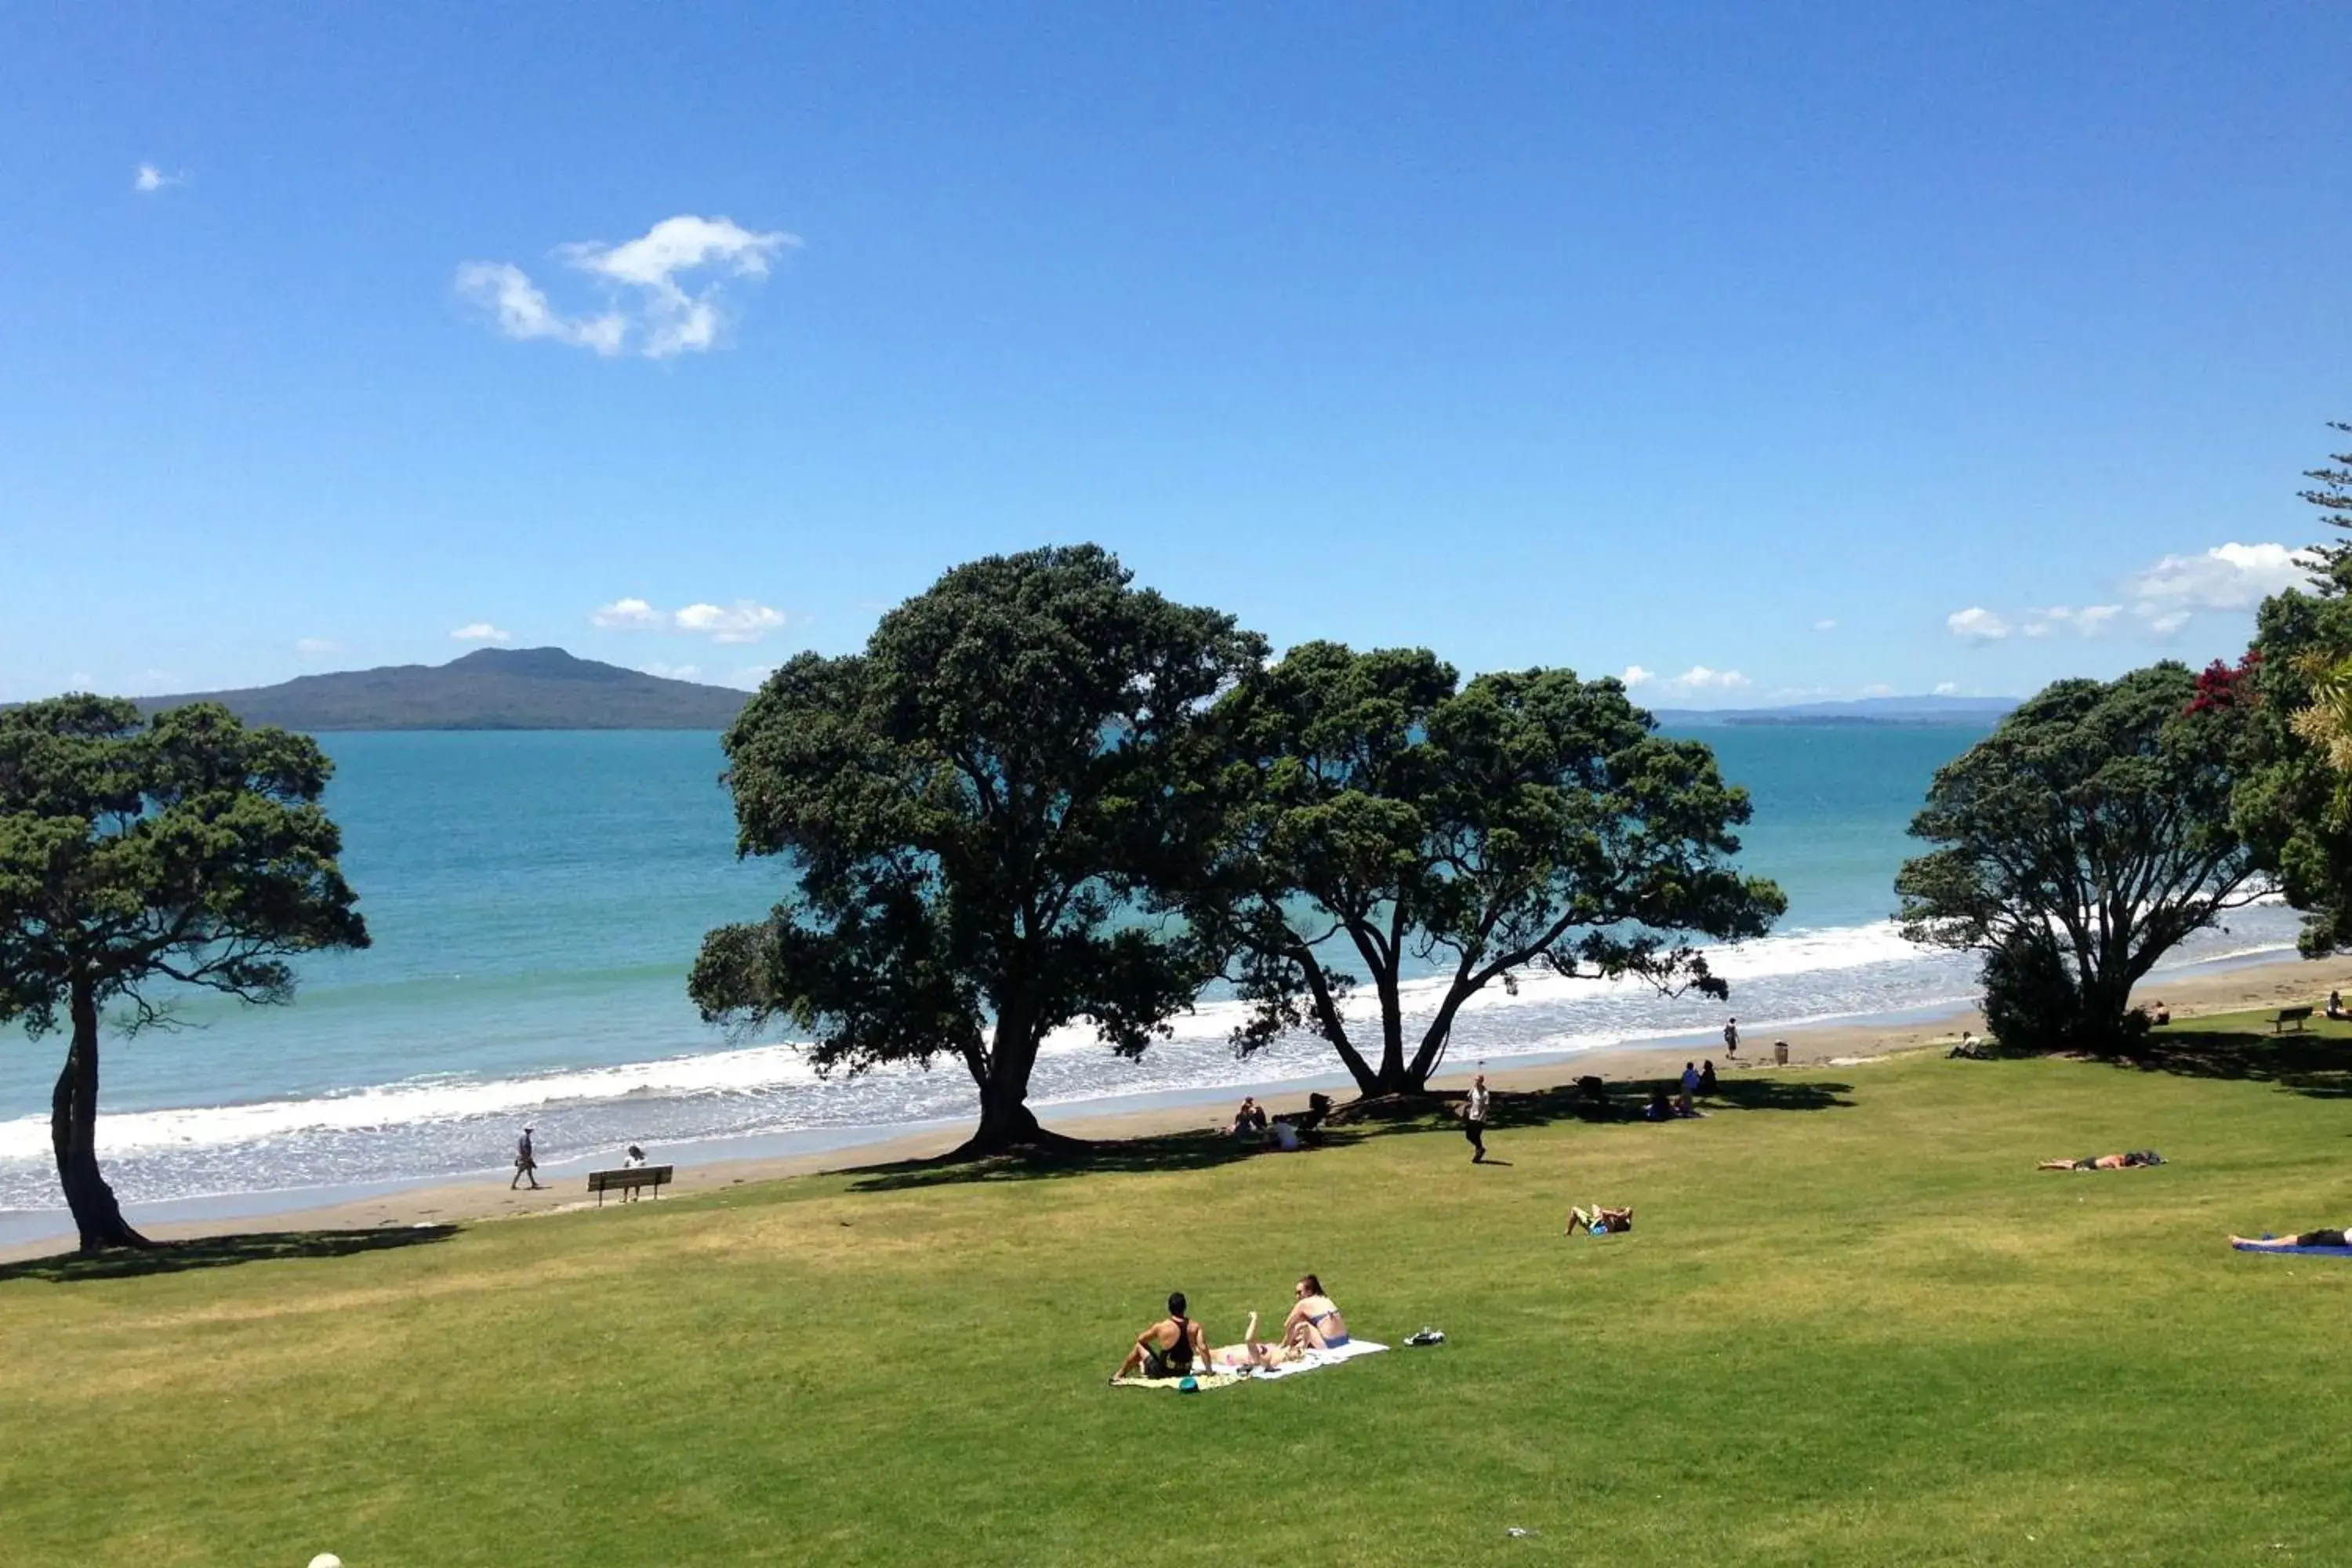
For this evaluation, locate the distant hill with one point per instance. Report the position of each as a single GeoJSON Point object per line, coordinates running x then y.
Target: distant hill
{"type": "Point", "coordinates": [494, 688]}
{"type": "Point", "coordinates": [1978, 710]}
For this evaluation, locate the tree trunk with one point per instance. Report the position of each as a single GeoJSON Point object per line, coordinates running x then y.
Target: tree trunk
{"type": "Point", "coordinates": [1007, 1123]}
{"type": "Point", "coordinates": [73, 1135]}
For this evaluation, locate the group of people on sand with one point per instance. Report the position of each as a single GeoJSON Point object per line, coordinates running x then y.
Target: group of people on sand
{"type": "Point", "coordinates": [1177, 1346]}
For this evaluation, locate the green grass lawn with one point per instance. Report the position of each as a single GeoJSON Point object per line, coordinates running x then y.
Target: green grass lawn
{"type": "Point", "coordinates": [1852, 1326]}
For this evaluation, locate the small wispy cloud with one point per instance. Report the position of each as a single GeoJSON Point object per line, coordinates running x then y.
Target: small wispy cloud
{"type": "Point", "coordinates": [664, 289]}
{"type": "Point", "coordinates": [751, 677]}
{"type": "Point", "coordinates": [481, 631]}
{"type": "Point", "coordinates": [1825, 626]}
{"type": "Point", "coordinates": [147, 179]}
{"type": "Point", "coordinates": [674, 671]}
{"type": "Point", "coordinates": [312, 646]}
{"type": "Point", "coordinates": [1947, 688]}
{"type": "Point", "coordinates": [744, 621]}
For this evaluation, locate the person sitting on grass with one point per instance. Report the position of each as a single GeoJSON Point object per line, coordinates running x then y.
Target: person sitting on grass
{"type": "Point", "coordinates": [2336, 1005]}
{"type": "Point", "coordinates": [1168, 1348]}
{"type": "Point", "coordinates": [1969, 1049]}
{"type": "Point", "coordinates": [2321, 1238]}
{"type": "Point", "coordinates": [1251, 1352]}
{"type": "Point", "coordinates": [2132, 1160]}
{"type": "Point", "coordinates": [1316, 1323]}
{"type": "Point", "coordinates": [1600, 1220]}
{"type": "Point", "coordinates": [1249, 1121]}
{"type": "Point", "coordinates": [1660, 1108]}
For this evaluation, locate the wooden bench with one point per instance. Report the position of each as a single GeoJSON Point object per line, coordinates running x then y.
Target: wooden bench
{"type": "Point", "coordinates": [635, 1176]}
{"type": "Point", "coordinates": [2286, 1016]}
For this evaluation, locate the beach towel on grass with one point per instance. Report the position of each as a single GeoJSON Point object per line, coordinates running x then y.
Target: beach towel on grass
{"type": "Point", "coordinates": [1204, 1381]}
{"type": "Point", "coordinates": [2306, 1251]}
{"type": "Point", "coordinates": [1317, 1359]}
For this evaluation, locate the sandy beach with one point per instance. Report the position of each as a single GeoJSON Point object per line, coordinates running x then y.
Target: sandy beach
{"type": "Point", "coordinates": [2271, 985]}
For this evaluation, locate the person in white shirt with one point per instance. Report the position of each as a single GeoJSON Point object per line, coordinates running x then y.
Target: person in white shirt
{"type": "Point", "coordinates": [1473, 1119]}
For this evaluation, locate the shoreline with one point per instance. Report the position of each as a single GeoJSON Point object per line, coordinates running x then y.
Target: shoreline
{"type": "Point", "coordinates": [2224, 986]}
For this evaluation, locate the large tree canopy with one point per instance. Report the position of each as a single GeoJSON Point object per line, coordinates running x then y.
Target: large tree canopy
{"type": "Point", "coordinates": [1390, 816]}
{"type": "Point", "coordinates": [981, 809]}
{"type": "Point", "coordinates": [2079, 843]}
{"type": "Point", "coordinates": [186, 850]}
{"type": "Point", "coordinates": [2295, 798]}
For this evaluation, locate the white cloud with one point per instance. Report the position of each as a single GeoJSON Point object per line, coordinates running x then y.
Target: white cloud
{"type": "Point", "coordinates": [744, 621]}
{"type": "Point", "coordinates": [676, 671]}
{"type": "Point", "coordinates": [2233, 576]}
{"type": "Point", "coordinates": [147, 179]}
{"type": "Point", "coordinates": [481, 631]}
{"type": "Point", "coordinates": [1825, 626]}
{"type": "Point", "coordinates": [751, 677]}
{"type": "Point", "coordinates": [741, 622]}
{"type": "Point", "coordinates": [652, 311]}
{"type": "Point", "coordinates": [2092, 619]}
{"type": "Point", "coordinates": [628, 615]}
{"type": "Point", "coordinates": [1976, 625]}
{"type": "Point", "coordinates": [1878, 688]}
{"type": "Point", "coordinates": [1947, 688]}
{"type": "Point", "coordinates": [314, 645]}
{"type": "Point", "coordinates": [1698, 678]}
{"type": "Point", "coordinates": [523, 311]}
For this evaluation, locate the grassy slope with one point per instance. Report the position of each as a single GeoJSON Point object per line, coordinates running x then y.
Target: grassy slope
{"type": "Point", "coordinates": [1867, 1332]}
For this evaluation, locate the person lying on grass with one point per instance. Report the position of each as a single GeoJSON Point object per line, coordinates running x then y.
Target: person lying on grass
{"type": "Point", "coordinates": [2137, 1157]}
{"type": "Point", "coordinates": [2321, 1238]}
{"type": "Point", "coordinates": [1170, 1347]}
{"type": "Point", "coordinates": [1251, 1351]}
{"type": "Point", "coordinates": [1316, 1323]}
{"type": "Point", "coordinates": [1601, 1219]}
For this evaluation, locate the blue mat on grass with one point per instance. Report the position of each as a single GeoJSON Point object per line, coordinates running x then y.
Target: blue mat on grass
{"type": "Point", "coordinates": [2306, 1251]}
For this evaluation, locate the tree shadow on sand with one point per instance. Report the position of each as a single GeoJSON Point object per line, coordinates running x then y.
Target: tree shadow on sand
{"type": "Point", "coordinates": [221, 1252]}
{"type": "Point", "coordinates": [2306, 1061]}
{"type": "Point", "coordinates": [1351, 1123]}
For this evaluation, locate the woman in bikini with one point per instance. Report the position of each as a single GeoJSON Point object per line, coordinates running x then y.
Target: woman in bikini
{"type": "Point", "coordinates": [1316, 1323]}
{"type": "Point", "coordinates": [2132, 1160]}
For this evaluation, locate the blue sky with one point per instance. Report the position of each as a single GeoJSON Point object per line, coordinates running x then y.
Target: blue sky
{"type": "Point", "coordinates": [1764, 349]}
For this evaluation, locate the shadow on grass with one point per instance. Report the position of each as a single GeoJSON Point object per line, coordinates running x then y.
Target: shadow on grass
{"type": "Point", "coordinates": [221, 1252]}
{"type": "Point", "coordinates": [1350, 1123]}
{"type": "Point", "coordinates": [2307, 1062]}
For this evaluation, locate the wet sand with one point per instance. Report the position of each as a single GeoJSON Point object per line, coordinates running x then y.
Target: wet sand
{"type": "Point", "coordinates": [2282, 983]}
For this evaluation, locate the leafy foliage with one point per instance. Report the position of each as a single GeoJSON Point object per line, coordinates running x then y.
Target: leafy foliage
{"type": "Point", "coordinates": [2079, 843]}
{"type": "Point", "coordinates": [981, 809]}
{"type": "Point", "coordinates": [1384, 811]}
{"type": "Point", "coordinates": [186, 849]}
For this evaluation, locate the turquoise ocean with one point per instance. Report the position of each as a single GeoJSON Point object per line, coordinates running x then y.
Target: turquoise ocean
{"type": "Point", "coordinates": [536, 899]}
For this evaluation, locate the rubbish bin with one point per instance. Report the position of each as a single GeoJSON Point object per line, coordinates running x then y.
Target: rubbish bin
{"type": "Point", "coordinates": [1780, 1053]}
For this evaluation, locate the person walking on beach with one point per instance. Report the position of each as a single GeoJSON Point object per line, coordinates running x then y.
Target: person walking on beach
{"type": "Point", "coordinates": [1473, 1119]}
{"type": "Point", "coordinates": [1731, 1039]}
{"type": "Point", "coordinates": [525, 1162]}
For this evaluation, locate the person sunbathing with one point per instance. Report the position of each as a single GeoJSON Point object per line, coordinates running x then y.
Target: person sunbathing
{"type": "Point", "coordinates": [1600, 1220]}
{"type": "Point", "coordinates": [2137, 1158]}
{"type": "Point", "coordinates": [1251, 1352]}
{"type": "Point", "coordinates": [2321, 1238]}
{"type": "Point", "coordinates": [1168, 1348]}
{"type": "Point", "coordinates": [1316, 1323]}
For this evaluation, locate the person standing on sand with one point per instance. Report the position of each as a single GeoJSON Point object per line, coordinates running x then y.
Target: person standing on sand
{"type": "Point", "coordinates": [1731, 1041]}
{"type": "Point", "coordinates": [525, 1162]}
{"type": "Point", "coordinates": [1473, 1119]}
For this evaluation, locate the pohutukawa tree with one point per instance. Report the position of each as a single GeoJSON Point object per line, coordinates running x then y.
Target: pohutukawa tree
{"type": "Point", "coordinates": [1388, 818]}
{"type": "Point", "coordinates": [980, 811]}
{"type": "Point", "coordinates": [2080, 842]}
{"type": "Point", "coordinates": [141, 856]}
